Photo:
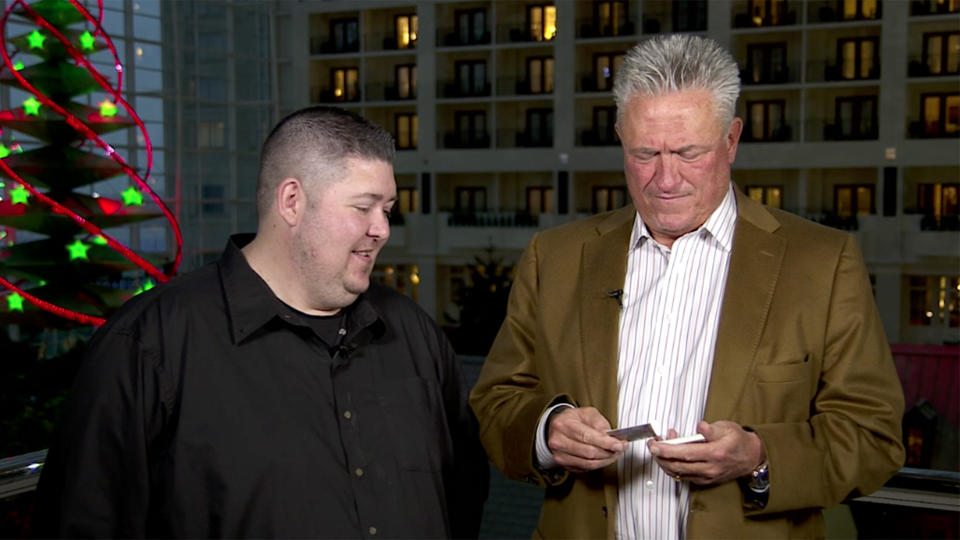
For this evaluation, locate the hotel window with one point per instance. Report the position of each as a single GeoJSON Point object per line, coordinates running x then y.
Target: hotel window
{"type": "Point", "coordinates": [690, 16]}
{"type": "Point", "coordinates": [859, 9]}
{"type": "Point", "coordinates": [408, 201]}
{"type": "Point", "coordinates": [470, 199]}
{"type": "Point", "coordinates": [471, 77]}
{"type": "Point", "coordinates": [856, 117]}
{"type": "Point", "coordinates": [213, 199]}
{"type": "Point", "coordinates": [857, 58]}
{"type": "Point", "coordinates": [605, 67]}
{"type": "Point", "coordinates": [610, 17]}
{"type": "Point", "coordinates": [934, 301]}
{"type": "Point", "coordinates": [768, 12]}
{"type": "Point", "coordinates": [408, 128]}
{"type": "Point", "coordinates": [767, 62]}
{"type": "Point", "coordinates": [853, 200]}
{"type": "Point", "coordinates": [769, 195]}
{"type": "Point", "coordinates": [406, 81]}
{"type": "Point", "coordinates": [605, 124]}
{"type": "Point", "coordinates": [941, 114]}
{"type": "Point", "coordinates": [406, 30]}
{"type": "Point", "coordinates": [471, 127]}
{"type": "Point", "coordinates": [471, 26]}
{"type": "Point", "coordinates": [608, 198]}
{"type": "Point", "coordinates": [938, 199]}
{"type": "Point", "coordinates": [542, 22]}
{"type": "Point", "coordinates": [765, 119]}
{"type": "Point", "coordinates": [539, 200]}
{"type": "Point", "coordinates": [345, 83]}
{"type": "Point", "coordinates": [941, 52]}
{"type": "Point", "coordinates": [345, 35]}
{"type": "Point", "coordinates": [539, 127]}
{"type": "Point", "coordinates": [540, 75]}
{"type": "Point", "coordinates": [210, 134]}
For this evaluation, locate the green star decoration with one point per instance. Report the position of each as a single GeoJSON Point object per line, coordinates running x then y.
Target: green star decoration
{"type": "Point", "coordinates": [107, 108]}
{"type": "Point", "coordinates": [31, 106]}
{"type": "Point", "coordinates": [19, 195]}
{"type": "Point", "coordinates": [36, 39]}
{"type": "Point", "coordinates": [18, 65]}
{"type": "Point", "coordinates": [87, 41]}
{"type": "Point", "coordinates": [147, 285]}
{"type": "Point", "coordinates": [78, 250]}
{"type": "Point", "coordinates": [15, 302]}
{"type": "Point", "coordinates": [99, 240]}
{"type": "Point", "coordinates": [132, 197]}
{"type": "Point", "coordinates": [4, 152]}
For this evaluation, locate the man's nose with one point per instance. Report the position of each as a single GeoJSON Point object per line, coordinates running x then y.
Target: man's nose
{"type": "Point", "coordinates": [668, 175]}
{"type": "Point", "coordinates": [380, 226]}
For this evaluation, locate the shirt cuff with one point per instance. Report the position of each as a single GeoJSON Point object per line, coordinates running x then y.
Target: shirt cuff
{"type": "Point", "coordinates": [544, 456]}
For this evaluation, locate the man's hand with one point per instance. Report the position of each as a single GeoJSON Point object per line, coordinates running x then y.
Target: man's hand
{"type": "Point", "coordinates": [728, 453]}
{"type": "Point", "coordinates": [578, 440]}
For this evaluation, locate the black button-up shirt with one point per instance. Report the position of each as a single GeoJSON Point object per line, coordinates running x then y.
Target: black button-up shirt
{"type": "Point", "coordinates": [206, 407]}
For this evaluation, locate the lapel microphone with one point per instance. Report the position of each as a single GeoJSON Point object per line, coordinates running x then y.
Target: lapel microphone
{"type": "Point", "coordinates": [616, 294]}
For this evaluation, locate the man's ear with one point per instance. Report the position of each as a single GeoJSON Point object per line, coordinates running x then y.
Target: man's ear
{"type": "Point", "coordinates": [733, 139]}
{"type": "Point", "coordinates": [291, 201]}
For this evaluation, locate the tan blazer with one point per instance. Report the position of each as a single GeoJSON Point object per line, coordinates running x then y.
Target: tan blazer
{"type": "Point", "coordinates": [801, 358]}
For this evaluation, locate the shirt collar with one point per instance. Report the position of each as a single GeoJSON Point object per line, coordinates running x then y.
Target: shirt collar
{"type": "Point", "coordinates": [251, 304]}
{"type": "Point", "coordinates": [720, 224]}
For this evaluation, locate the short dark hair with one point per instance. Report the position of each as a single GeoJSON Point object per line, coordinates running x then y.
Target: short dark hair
{"type": "Point", "coordinates": [311, 145]}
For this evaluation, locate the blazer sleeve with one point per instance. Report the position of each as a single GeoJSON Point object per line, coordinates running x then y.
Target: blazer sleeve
{"type": "Point", "coordinates": [852, 442]}
{"type": "Point", "coordinates": [509, 396]}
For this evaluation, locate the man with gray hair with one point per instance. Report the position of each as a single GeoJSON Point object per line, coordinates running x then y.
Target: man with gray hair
{"type": "Point", "coordinates": [276, 393]}
{"type": "Point", "coordinates": [746, 337]}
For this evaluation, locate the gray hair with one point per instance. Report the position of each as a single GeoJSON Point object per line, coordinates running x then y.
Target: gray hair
{"type": "Point", "coordinates": [675, 62]}
{"type": "Point", "coordinates": [311, 145]}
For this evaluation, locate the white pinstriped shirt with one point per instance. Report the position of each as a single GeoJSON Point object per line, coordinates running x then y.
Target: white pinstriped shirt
{"type": "Point", "coordinates": [668, 329]}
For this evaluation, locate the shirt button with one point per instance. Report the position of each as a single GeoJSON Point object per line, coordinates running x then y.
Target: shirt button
{"type": "Point", "coordinates": [372, 531]}
{"type": "Point", "coordinates": [343, 332]}
{"type": "Point", "coordinates": [649, 484]}
{"type": "Point", "coordinates": [358, 471]}
{"type": "Point", "coordinates": [347, 414]}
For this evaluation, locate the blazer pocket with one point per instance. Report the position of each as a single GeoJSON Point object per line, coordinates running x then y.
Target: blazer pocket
{"type": "Point", "coordinates": [781, 392]}
{"type": "Point", "coordinates": [788, 372]}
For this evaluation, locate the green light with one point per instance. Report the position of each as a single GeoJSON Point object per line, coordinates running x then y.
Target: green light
{"type": "Point", "coordinates": [147, 285]}
{"type": "Point", "coordinates": [87, 40]}
{"type": "Point", "coordinates": [78, 250]}
{"type": "Point", "coordinates": [99, 240]}
{"type": "Point", "coordinates": [4, 152]}
{"type": "Point", "coordinates": [19, 195]}
{"type": "Point", "coordinates": [132, 197]}
{"type": "Point", "coordinates": [107, 108]}
{"type": "Point", "coordinates": [36, 39]}
{"type": "Point", "coordinates": [15, 302]}
{"type": "Point", "coordinates": [31, 106]}
{"type": "Point", "coordinates": [18, 65]}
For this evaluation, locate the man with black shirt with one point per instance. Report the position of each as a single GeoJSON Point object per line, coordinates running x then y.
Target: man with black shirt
{"type": "Point", "coordinates": [276, 393]}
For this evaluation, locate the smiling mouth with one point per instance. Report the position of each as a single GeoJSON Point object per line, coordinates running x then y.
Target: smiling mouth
{"type": "Point", "coordinates": [367, 254]}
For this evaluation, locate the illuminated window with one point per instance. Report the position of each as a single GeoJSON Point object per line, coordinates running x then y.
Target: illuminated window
{"type": "Point", "coordinates": [539, 200]}
{"type": "Point", "coordinates": [938, 199]}
{"type": "Point", "coordinates": [765, 120]}
{"type": "Point", "coordinates": [853, 200]}
{"type": "Point", "coordinates": [859, 9]}
{"type": "Point", "coordinates": [406, 27]}
{"type": "Point", "coordinates": [407, 129]}
{"type": "Point", "coordinates": [856, 118]}
{"type": "Point", "coordinates": [768, 12]}
{"type": "Point", "coordinates": [857, 58]}
{"type": "Point", "coordinates": [406, 81]}
{"type": "Point", "coordinates": [345, 83]}
{"type": "Point", "coordinates": [403, 278]}
{"type": "Point", "coordinates": [345, 35]}
{"type": "Point", "coordinates": [610, 17]}
{"type": "Point", "coordinates": [941, 114]}
{"type": "Point", "coordinates": [934, 301]}
{"type": "Point", "coordinates": [605, 67]}
{"type": "Point", "coordinates": [542, 22]}
{"type": "Point", "coordinates": [768, 195]}
{"type": "Point", "coordinates": [540, 75]}
{"type": "Point", "coordinates": [210, 134]}
{"type": "Point", "coordinates": [471, 77]}
{"type": "Point", "coordinates": [766, 63]}
{"type": "Point", "coordinates": [941, 52]}
{"type": "Point", "coordinates": [471, 26]}
{"type": "Point", "coordinates": [608, 198]}
{"type": "Point", "coordinates": [470, 199]}
{"type": "Point", "coordinates": [408, 201]}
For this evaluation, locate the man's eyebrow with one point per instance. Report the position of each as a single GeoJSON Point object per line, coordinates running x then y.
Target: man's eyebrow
{"type": "Point", "coordinates": [372, 196]}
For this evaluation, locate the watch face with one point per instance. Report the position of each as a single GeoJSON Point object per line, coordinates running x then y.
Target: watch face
{"type": "Point", "coordinates": [760, 479]}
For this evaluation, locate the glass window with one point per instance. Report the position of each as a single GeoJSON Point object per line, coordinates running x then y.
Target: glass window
{"type": "Point", "coordinates": [470, 199]}
{"type": "Point", "coordinates": [542, 22]}
{"type": "Point", "coordinates": [345, 83]}
{"type": "Point", "coordinates": [610, 17]}
{"type": "Point", "coordinates": [941, 114]}
{"type": "Point", "coordinates": [406, 27]}
{"type": "Point", "coordinates": [345, 35]}
{"type": "Point", "coordinates": [607, 198]}
{"type": "Point", "coordinates": [539, 200]}
{"type": "Point", "coordinates": [407, 130]}
{"type": "Point", "coordinates": [856, 117]}
{"type": "Point", "coordinates": [406, 81]}
{"type": "Point", "coordinates": [857, 58]}
{"type": "Point", "coordinates": [605, 66]}
{"type": "Point", "coordinates": [934, 301]}
{"type": "Point", "coordinates": [768, 195]}
{"type": "Point", "coordinates": [471, 77]}
{"type": "Point", "coordinates": [471, 26]}
{"type": "Point", "coordinates": [408, 200]}
{"type": "Point", "coordinates": [540, 75]}
{"type": "Point", "coordinates": [767, 62]}
{"type": "Point", "coordinates": [853, 200]}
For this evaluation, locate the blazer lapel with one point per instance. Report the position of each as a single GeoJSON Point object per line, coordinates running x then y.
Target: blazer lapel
{"type": "Point", "coordinates": [603, 265]}
{"type": "Point", "coordinates": [754, 269]}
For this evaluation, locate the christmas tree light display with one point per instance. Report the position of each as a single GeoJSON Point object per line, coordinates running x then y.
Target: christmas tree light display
{"type": "Point", "coordinates": [70, 265]}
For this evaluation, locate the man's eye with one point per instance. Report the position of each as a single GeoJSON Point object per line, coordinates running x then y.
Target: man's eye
{"type": "Point", "coordinates": [362, 209]}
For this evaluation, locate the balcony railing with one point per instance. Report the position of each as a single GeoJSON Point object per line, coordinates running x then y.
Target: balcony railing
{"type": "Point", "coordinates": [746, 20]}
{"type": "Point", "coordinates": [388, 92]}
{"type": "Point", "coordinates": [515, 86]}
{"type": "Point", "coordinates": [919, 67]}
{"type": "Point", "coordinates": [932, 7]}
{"type": "Point", "coordinates": [784, 75]}
{"type": "Point", "coordinates": [454, 89]}
{"type": "Point", "coordinates": [322, 46]}
{"type": "Point", "coordinates": [511, 138]}
{"type": "Point", "coordinates": [921, 129]}
{"type": "Point", "coordinates": [589, 28]}
{"type": "Point", "coordinates": [458, 140]}
{"type": "Point", "coordinates": [514, 34]}
{"type": "Point", "coordinates": [495, 218]}
{"type": "Point", "coordinates": [827, 12]}
{"type": "Point", "coordinates": [783, 133]}
{"type": "Point", "coordinates": [596, 137]}
{"type": "Point", "coordinates": [327, 95]}
{"type": "Point", "coordinates": [449, 37]}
